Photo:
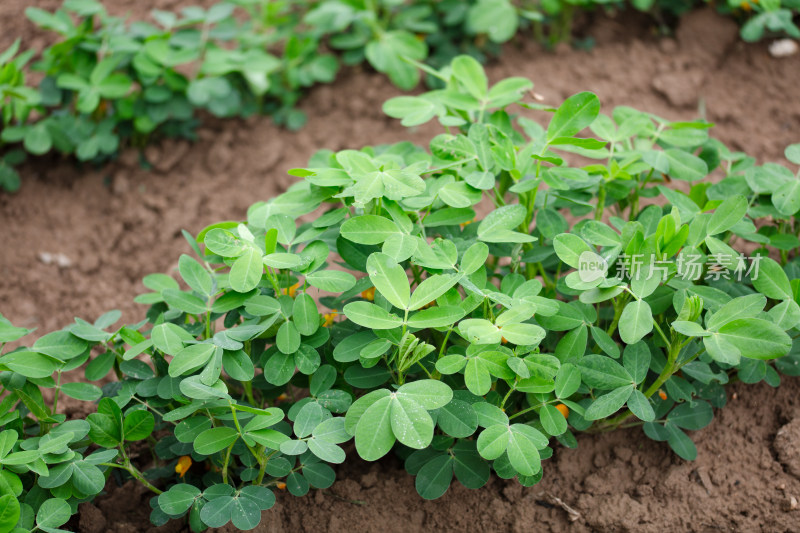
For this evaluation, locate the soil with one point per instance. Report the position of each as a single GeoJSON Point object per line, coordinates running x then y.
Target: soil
{"type": "Point", "coordinates": [78, 240]}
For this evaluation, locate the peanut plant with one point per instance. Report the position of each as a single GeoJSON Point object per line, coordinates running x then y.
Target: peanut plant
{"type": "Point", "coordinates": [109, 83]}
{"type": "Point", "coordinates": [370, 303]}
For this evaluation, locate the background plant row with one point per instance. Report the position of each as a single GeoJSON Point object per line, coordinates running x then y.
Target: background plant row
{"type": "Point", "coordinates": [368, 303]}
{"type": "Point", "coordinates": [110, 82]}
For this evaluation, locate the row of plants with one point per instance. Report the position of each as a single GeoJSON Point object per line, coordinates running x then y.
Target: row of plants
{"type": "Point", "coordinates": [108, 82]}
{"type": "Point", "coordinates": [370, 303]}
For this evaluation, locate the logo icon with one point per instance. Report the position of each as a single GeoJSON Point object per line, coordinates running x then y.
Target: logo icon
{"type": "Point", "coordinates": [591, 267]}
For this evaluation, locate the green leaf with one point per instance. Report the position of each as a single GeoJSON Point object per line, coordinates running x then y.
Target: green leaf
{"type": "Point", "coordinates": [431, 289]}
{"type": "Point", "coordinates": [37, 139]}
{"type": "Point", "coordinates": [741, 307]}
{"type": "Point", "coordinates": [640, 406]}
{"type": "Point", "coordinates": [138, 425]}
{"type": "Point", "coordinates": [87, 478]}
{"type": "Point", "coordinates": [474, 258]}
{"type": "Point", "coordinates": [169, 338]}
{"type": "Point", "coordinates": [436, 317]}
{"type": "Point", "coordinates": [288, 338]}
{"type": "Point", "coordinates": [553, 421]}
{"type": "Point", "coordinates": [428, 393]}
{"type": "Point", "coordinates": [692, 415]}
{"type": "Point", "coordinates": [690, 329]}
{"type": "Point", "coordinates": [319, 475]}
{"type": "Point", "coordinates": [680, 443]}
{"type": "Point", "coordinates": [331, 280]}
{"type": "Point", "coordinates": [9, 512]}
{"type": "Point", "coordinates": [387, 54]}
{"type": "Point", "coordinates": [29, 364]}
{"type": "Point", "coordinates": [685, 166]}
{"type": "Point", "coordinates": [493, 441]}
{"type": "Point", "coordinates": [104, 430]}
{"type": "Point", "coordinates": [457, 419]}
{"type": "Point", "coordinates": [310, 416]}
{"type": "Point", "coordinates": [60, 344]}
{"type": "Point", "coordinates": [82, 391]}
{"type": "Point", "coordinates": [368, 229]}
{"type": "Point", "coordinates": [435, 476]}
{"type": "Point", "coordinates": [792, 153]}
{"type": "Point", "coordinates": [730, 212]}
{"type": "Point", "coordinates": [507, 217]}
{"type": "Point", "coordinates": [413, 110]}
{"type": "Point", "coordinates": [771, 281]}
{"type": "Point", "coordinates": [193, 273]}
{"type": "Point", "coordinates": [183, 301]}
{"type": "Point", "coordinates": [305, 315]}
{"type": "Point", "coordinates": [523, 334]}
{"type": "Point", "coordinates": [374, 437]}
{"type": "Point", "coordinates": [477, 377]}
{"type": "Point", "coordinates": [246, 272]}
{"type": "Point", "coordinates": [577, 112]}
{"type": "Point", "coordinates": [636, 360]}
{"type": "Point", "coordinates": [568, 380]}
{"type": "Point", "coordinates": [411, 424]}
{"type": "Point", "coordinates": [635, 322]}
{"type": "Point", "coordinates": [282, 261]}
{"type": "Point", "coordinates": [522, 452]}
{"type": "Point", "coordinates": [371, 316]}
{"type": "Point", "coordinates": [53, 513]}
{"type": "Point", "coordinates": [508, 91]}
{"type": "Point", "coordinates": [9, 333]}
{"type": "Point", "coordinates": [601, 372]}
{"type": "Point", "coordinates": [190, 359]}
{"type": "Point", "coordinates": [721, 350]}
{"type": "Point", "coordinates": [496, 18]}
{"type": "Point", "coordinates": [471, 75]}
{"type": "Point", "coordinates": [786, 198]}
{"type": "Point", "coordinates": [245, 513]}
{"type": "Point", "coordinates": [218, 511]}
{"type": "Point", "coordinates": [756, 338]}
{"type": "Point", "coordinates": [390, 279]}
{"type": "Point", "coordinates": [238, 365]}
{"type": "Point", "coordinates": [215, 439]}
{"type": "Point", "coordinates": [608, 404]}
{"type": "Point", "coordinates": [786, 315]}
{"type": "Point", "coordinates": [327, 451]}
{"type": "Point", "coordinates": [270, 438]}
{"type": "Point", "coordinates": [178, 499]}
{"type": "Point", "coordinates": [569, 248]}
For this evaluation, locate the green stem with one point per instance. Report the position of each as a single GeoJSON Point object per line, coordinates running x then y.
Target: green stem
{"type": "Point", "coordinates": [133, 471]}
{"type": "Point", "coordinates": [618, 306]}
{"type": "Point", "coordinates": [601, 201]}
{"type": "Point", "coordinates": [248, 390]}
{"type": "Point", "coordinates": [225, 465]}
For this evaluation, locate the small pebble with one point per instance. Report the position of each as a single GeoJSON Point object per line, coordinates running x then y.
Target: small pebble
{"type": "Point", "coordinates": [783, 48]}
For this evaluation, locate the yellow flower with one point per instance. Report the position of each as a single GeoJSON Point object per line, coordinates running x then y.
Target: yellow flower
{"type": "Point", "coordinates": [184, 463]}
{"type": "Point", "coordinates": [369, 294]}
{"type": "Point", "coordinates": [329, 318]}
{"type": "Point", "coordinates": [291, 291]}
{"type": "Point", "coordinates": [465, 223]}
{"type": "Point", "coordinates": [281, 485]}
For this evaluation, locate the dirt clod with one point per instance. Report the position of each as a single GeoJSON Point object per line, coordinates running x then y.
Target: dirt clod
{"type": "Point", "coordinates": [787, 446]}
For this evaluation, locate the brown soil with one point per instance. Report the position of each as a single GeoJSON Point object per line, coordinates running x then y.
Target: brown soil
{"type": "Point", "coordinates": [117, 223]}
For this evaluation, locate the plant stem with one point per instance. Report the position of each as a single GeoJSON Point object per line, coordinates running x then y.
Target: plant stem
{"type": "Point", "coordinates": [133, 471]}
{"type": "Point", "coordinates": [601, 201]}
{"type": "Point", "coordinates": [225, 465]}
